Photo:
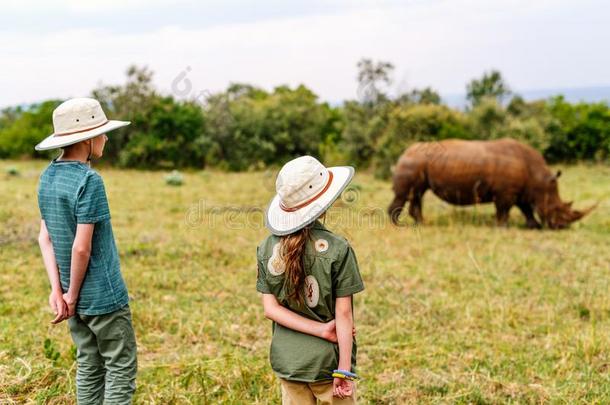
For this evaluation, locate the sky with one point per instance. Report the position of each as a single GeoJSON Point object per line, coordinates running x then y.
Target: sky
{"type": "Point", "coordinates": [65, 48]}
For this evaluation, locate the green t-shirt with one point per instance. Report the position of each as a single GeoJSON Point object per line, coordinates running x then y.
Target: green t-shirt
{"type": "Point", "coordinates": [72, 193]}
{"type": "Point", "coordinates": [332, 271]}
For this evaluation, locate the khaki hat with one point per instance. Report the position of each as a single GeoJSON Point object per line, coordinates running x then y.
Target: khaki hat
{"type": "Point", "coordinates": [305, 189]}
{"type": "Point", "coordinates": [76, 120]}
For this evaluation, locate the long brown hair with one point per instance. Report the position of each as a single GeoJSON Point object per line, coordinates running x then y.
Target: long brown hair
{"type": "Point", "coordinates": [292, 251]}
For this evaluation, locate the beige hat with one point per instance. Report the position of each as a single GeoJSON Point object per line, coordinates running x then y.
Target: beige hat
{"type": "Point", "coordinates": [305, 189]}
{"type": "Point", "coordinates": [76, 120]}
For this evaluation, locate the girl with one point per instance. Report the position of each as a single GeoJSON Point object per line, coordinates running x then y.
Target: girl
{"type": "Point", "coordinates": [307, 276]}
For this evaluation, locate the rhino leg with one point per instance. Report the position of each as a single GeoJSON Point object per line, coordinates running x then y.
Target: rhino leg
{"type": "Point", "coordinates": [415, 205]}
{"type": "Point", "coordinates": [395, 208]}
{"type": "Point", "coordinates": [409, 185]}
{"type": "Point", "coordinates": [527, 210]}
{"type": "Point", "coordinates": [502, 211]}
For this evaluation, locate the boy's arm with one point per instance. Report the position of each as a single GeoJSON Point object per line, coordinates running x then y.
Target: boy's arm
{"type": "Point", "coordinates": [81, 251]}
{"type": "Point", "coordinates": [294, 321]}
{"type": "Point", "coordinates": [56, 300]}
{"type": "Point", "coordinates": [345, 322]}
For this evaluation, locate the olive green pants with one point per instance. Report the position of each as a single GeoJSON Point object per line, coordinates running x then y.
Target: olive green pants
{"type": "Point", "coordinates": [106, 357]}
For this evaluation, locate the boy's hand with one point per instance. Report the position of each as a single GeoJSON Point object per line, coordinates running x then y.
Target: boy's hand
{"type": "Point", "coordinates": [70, 303]}
{"type": "Point", "coordinates": [59, 306]}
{"type": "Point", "coordinates": [342, 388]}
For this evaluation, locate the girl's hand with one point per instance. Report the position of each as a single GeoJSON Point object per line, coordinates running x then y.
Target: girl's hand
{"type": "Point", "coordinates": [58, 306]}
{"type": "Point", "coordinates": [329, 331]}
{"type": "Point", "coordinates": [342, 388]}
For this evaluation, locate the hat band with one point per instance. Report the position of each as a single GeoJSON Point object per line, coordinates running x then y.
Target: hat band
{"type": "Point", "coordinates": [306, 203]}
{"type": "Point", "coordinates": [81, 130]}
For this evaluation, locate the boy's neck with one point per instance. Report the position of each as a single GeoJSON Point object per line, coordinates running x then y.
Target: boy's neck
{"type": "Point", "coordinates": [79, 155]}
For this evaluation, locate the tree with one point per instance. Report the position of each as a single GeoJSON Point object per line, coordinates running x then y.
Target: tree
{"type": "Point", "coordinates": [491, 85]}
{"type": "Point", "coordinates": [133, 102]}
{"type": "Point", "coordinates": [426, 95]}
{"type": "Point", "coordinates": [371, 76]}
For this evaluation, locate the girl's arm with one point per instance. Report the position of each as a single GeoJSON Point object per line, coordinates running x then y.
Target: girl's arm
{"type": "Point", "coordinates": [56, 301]}
{"type": "Point", "coordinates": [294, 321]}
{"type": "Point", "coordinates": [345, 323]}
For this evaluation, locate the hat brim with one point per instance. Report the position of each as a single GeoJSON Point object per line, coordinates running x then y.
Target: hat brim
{"type": "Point", "coordinates": [281, 222]}
{"type": "Point", "coordinates": [59, 141]}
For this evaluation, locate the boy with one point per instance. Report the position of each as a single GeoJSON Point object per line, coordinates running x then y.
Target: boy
{"type": "Point", "coordinates": [81, 258]}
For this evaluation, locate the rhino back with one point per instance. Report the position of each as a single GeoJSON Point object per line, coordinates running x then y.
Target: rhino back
{"type": "Point", "coordinates": [468, 172]}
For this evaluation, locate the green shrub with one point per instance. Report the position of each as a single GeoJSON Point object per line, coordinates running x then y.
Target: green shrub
{"type": "Point", "coordinates": [578, 131]}
{"type": "Point", "coordinates": [171, 138]}
{"type": "Point", "coordinates": [174, 178]}
{"type": "Point", "coordinates": [416, 123]}
{"type": "Point", "coordinates": [22, 128]}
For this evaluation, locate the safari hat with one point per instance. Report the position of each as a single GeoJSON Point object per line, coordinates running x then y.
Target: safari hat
{"type": "Point", "coordinates": [305, 189]}
{"type": "Point", "coordinates": [76, 120]}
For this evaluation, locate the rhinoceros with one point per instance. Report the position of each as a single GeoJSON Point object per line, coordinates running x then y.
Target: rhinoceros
{"type": "Point", "coordinates": [504, 171]}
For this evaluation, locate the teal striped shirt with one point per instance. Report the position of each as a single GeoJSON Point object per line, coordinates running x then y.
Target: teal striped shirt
{"type": "Point", "coordinates": [72, 193]}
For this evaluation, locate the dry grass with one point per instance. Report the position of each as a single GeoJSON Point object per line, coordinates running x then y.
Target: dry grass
{"type": "Point", "coordinates": [457, 311]}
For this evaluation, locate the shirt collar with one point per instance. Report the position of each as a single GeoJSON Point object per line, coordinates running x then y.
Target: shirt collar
{"type": "Point", "coordinates": [318, 225]}
{"type": "Point", "coordinates": [55, 161]}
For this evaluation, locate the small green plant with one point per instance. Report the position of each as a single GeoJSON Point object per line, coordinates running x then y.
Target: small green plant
{"type": "Point", "coordinates": [174, 178]}
{"type": "Point", "coordinates": [73, 353]}
{"type": "Point", "coordinates": [50, 351]}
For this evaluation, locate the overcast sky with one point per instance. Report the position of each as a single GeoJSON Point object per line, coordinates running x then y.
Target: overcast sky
{"type": "Point", "coordinates": [65, 48]}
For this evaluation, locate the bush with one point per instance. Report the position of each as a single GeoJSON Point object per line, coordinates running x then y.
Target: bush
{"type": "Point", "coordinates": [521, 120]}
{"type": "Point", "coordinates": [22, 128]}
{"type": "Point", "coordinates": [417, 123]}
{"type": "Point", "coordinates": [171, 139]}
{"type": "Point", "coordinates": [578, 131]}
{"type": "Point", "coordinates": [363, 126]}
{"type": "Point", "coordinates": [174, 178]}
{"type": "Point", "coordinates": [246, 127]}
{"type": "Point", "coordinates": [249, 128]}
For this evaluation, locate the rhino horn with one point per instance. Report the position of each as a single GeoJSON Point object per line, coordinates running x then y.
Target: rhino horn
{"type": "Point", "coordinates": [575, 215]}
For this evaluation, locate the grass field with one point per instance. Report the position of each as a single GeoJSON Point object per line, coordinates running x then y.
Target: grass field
{"type": "Point", "coordinates": [456, 311]}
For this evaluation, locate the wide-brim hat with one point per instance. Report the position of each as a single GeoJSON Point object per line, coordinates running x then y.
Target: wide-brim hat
{"type": "Point", "coordinates": [76, 120]}
{"type": "Point", "coordinates": [305, 190]}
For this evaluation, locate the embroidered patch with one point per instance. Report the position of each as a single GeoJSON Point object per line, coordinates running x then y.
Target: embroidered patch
{"type": "Point", "coordinates": [321, 245]}
{"type": "Point", "coordinates": [312, 291]}
{"type": "Point", "coordinates": [276, 263]}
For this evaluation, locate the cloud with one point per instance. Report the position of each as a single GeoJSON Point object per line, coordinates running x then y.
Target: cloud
{"type": "Point", "coordinates": [438, 43]}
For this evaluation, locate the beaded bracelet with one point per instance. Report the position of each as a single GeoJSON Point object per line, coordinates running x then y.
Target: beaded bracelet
{"type": "Point", "coordinates": [346, 375]}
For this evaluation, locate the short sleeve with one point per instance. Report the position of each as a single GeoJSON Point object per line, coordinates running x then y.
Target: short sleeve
{"type": "Point", "coordinates": [346, 277]}
{"type": "Point", "coordinates": [40, 202]}
{"type": "Point", "coordinates": [91, 203]}
{"type": "Point", "coordinates": [261, 279]}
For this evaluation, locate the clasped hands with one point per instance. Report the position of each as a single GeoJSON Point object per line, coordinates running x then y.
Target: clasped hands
{"type": "Point", "coordinates": [62, 305]}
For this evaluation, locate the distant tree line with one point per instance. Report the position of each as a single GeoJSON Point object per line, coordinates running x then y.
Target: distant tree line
{"type": "Point", "coordinates": [245, 127]}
